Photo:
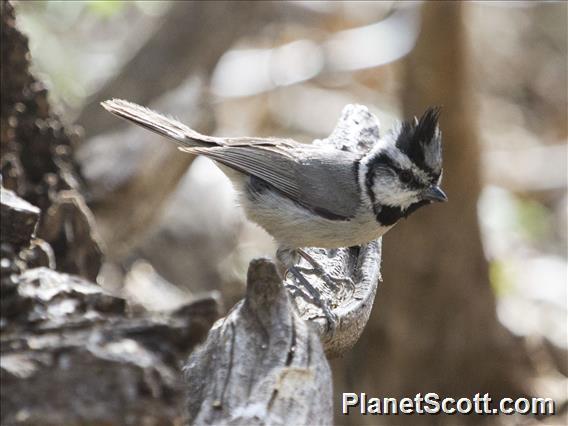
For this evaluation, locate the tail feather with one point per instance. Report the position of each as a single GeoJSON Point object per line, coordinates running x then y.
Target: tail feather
{"type": "Point", "coordinates": [158, 123]}
{"type": "Point", "coordinates": [184, 136]}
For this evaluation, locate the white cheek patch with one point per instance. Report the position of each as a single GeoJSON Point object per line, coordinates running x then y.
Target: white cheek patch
{"type": "Point", "coordinates": [389, 191]}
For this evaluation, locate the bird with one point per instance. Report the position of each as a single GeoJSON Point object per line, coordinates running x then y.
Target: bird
{"type": "Point", "coordinates": [320, 194]}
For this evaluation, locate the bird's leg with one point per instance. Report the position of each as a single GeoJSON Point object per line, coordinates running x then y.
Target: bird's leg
{"type": "Point", "coordinates": [331, 281]}
{"type": "Point", "coordinates": [286, 258]}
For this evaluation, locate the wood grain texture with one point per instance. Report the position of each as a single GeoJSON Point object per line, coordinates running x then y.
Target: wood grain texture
{"type": "Point", "coordinates": [262, 364]}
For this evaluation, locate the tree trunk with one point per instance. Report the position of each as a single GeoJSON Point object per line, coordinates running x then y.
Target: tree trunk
{"type": "Point", "coordinates": [435, 329]}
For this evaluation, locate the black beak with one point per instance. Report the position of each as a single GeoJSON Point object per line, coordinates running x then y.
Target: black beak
{"type": "Point", "coordinates": [434, 193]}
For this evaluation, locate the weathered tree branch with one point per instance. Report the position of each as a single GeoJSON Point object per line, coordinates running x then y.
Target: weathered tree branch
{"type": "Point", "coordinates": [262, 364]}
{"type": "Point", "coordinates": [351, 305]}
{"type": "Point", "coordinates": [71, 353]}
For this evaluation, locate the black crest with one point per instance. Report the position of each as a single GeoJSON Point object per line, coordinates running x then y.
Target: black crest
{"type": "Point", "coordinates": [420, 140]}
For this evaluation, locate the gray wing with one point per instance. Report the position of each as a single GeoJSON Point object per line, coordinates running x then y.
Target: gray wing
{"type": "Point", "coordinates": [328, 182]}
{"type": "Point", "coordinates": [321, 179]}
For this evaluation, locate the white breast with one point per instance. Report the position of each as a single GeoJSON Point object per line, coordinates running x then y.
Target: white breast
{"type": "Point", "coordinates": [293, 226]}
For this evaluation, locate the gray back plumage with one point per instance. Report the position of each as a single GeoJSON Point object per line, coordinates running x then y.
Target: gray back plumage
{"type": "Point", "coordinates": [323, 180]}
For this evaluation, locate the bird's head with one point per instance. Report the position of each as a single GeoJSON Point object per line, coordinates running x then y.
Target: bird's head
{"type": "Point", "coordinates": [403, 171]}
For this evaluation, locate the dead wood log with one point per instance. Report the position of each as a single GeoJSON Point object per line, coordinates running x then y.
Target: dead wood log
{"type": "Point", "coordinates": [70, 353]}
{"type": "Point", "coordinates": [69, 209]}
{"type": "Point", "coordinates": [73, 354]}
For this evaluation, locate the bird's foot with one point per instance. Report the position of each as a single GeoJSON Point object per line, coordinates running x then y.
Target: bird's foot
{"type": "Point", "coordinates": [334, 283]}
{"type": "Point", "coordinates": [313, 297]}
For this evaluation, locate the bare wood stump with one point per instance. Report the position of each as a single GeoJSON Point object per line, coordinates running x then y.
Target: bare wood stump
{"type": "Point", "coordinates": [262, 364]}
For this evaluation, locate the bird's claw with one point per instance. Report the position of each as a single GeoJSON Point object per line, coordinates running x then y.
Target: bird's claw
{"type": "Point", "coordinates": [313, 297]}
{"type": "Point", "coordinates": [334, 283]}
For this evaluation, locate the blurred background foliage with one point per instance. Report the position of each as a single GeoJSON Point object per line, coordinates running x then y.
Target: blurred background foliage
{"type": "Point", "coordinates": [288, 69]}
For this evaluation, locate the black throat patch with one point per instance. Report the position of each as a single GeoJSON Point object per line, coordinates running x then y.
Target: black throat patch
{"type": "Point", "coordinates": [387, 215]}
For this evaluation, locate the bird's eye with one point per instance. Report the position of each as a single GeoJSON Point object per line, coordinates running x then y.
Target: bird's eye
{"type": "Point", "coordinates": [405, 176]}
